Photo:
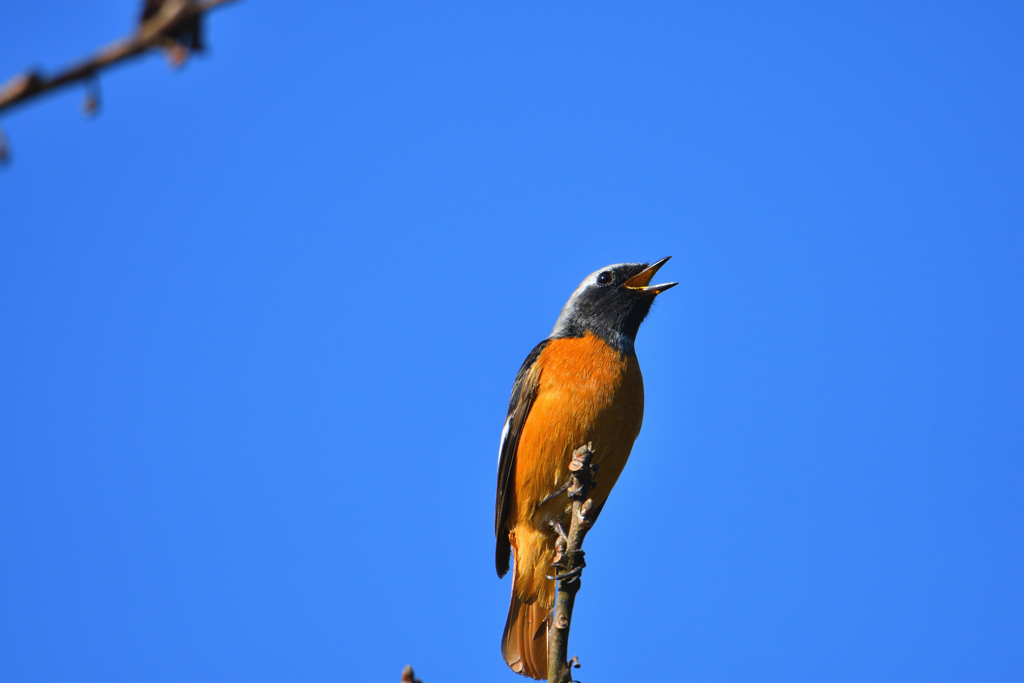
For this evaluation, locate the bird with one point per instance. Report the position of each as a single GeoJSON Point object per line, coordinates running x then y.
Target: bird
{"type": "Point", "coordinates": [580, 385]}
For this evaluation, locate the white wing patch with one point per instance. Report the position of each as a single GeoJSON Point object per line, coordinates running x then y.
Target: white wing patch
{"type": "Point", "coordinates": [504, 435]}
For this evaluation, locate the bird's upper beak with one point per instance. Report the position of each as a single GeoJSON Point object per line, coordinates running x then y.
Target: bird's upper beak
{"type": "Point", "coordinates": [640, 280]}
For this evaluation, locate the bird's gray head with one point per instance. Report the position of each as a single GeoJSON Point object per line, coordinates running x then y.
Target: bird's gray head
{"type": "Point", "coordinates": [611, 303]}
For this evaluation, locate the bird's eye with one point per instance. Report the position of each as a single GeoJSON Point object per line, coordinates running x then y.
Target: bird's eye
{"type": "Point", "coordinates": [605, 278]}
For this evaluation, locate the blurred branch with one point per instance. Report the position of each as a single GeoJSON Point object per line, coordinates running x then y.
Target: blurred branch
{"type": "Point", "coordinates": [151, 34]}
{"type": "Point", "coordinates": [163, 21]}
{"type": "Point", "coordinates": [569, 561]}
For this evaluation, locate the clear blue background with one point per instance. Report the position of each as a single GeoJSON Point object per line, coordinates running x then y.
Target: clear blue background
{"type": "Point", "coordinates": [259, 322]}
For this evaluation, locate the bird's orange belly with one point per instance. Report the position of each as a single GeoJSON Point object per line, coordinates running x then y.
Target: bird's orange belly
{"type": "Point", "coordinates": [587, 392]}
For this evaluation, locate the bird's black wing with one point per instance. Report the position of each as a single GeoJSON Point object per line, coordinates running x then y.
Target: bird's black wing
{"type": "Point", "coordinates": [523, 392]}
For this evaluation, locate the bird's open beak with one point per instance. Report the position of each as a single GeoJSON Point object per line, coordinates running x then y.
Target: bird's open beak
{"type": "Point", "coordinates": [640, 280]}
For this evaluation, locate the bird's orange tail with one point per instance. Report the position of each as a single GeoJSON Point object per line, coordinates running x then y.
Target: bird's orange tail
{"type": "Point", "coordinates": [525, 643]}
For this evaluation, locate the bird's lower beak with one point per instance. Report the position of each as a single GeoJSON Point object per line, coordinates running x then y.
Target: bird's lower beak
{"type": "Point", "coordinates": [641, 280]}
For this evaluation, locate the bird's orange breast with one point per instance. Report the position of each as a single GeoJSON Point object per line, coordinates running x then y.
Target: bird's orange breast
{"type": "Point", "coordinates": [587, 392]}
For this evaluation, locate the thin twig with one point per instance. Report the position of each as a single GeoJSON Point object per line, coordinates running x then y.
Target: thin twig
{"type": "Point", "coordinates": [409, 676]}
{"type": "Point", "coordinates": [569, 561]}
{"type": "Point", "coordinates": [26, 86]}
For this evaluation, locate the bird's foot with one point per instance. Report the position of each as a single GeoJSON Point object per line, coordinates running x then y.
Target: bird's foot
{"type": "Point", "coordinates": [578, 562]}
{"type": "Point", "coordinates": [557, 493]}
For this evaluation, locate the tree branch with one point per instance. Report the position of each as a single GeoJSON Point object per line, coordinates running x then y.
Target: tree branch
{"type": "Point", "coordinates": [569, 560]}
{"type": "Point", "coordinates": [26, 86]}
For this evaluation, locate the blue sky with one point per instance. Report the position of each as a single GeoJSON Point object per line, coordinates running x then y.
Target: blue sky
{"type": "Point", "coordinates": [260, 318]}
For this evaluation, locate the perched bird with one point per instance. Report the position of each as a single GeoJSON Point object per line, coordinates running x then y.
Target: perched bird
{"type": "Point", "coordinates": [582, 384]}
